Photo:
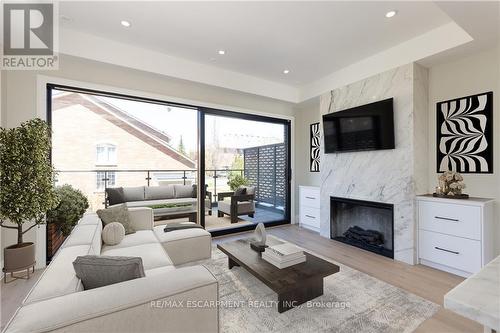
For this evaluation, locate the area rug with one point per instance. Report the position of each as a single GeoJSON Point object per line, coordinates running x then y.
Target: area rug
{"type": "Point", "coordinates": [352, 302]}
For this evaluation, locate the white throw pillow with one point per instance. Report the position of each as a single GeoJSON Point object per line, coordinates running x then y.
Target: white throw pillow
{"type": "Point", "coordinates": [113, 233]}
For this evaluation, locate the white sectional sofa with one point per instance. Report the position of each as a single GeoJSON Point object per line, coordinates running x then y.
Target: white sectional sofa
{"type": "Point", "coordinates": [58, 303]}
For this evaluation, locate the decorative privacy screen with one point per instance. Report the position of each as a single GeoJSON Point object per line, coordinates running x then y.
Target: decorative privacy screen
{"type": "Point", "coordinates": [265, 167]}
{"type": "Point", "coordinates": [314, 148]}
{"type": "Point", "coordinates": [465, 134]}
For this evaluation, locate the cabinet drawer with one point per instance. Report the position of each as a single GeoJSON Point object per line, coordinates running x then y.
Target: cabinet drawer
{"type": "Point", "coordinates": [309, 197]}
{"type": "Point", "coordinates": [451, 219]}
{"type": "Point", "coordinates": [456, 252]}
{"type": "Point", "coordinates": [309, 216]}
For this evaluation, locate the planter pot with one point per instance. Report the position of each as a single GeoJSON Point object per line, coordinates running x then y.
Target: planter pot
{"type": "Point", "coordinates": [19, 257]}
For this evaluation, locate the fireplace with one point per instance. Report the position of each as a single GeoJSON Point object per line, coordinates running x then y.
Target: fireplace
{"type": "Point", "coordinates": [364, 224]}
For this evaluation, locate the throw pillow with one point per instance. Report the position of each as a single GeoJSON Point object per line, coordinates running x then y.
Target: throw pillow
{"type": "Point", "coordinates": [115, 195]}
{"type": "Point", "coordinates": [100, 271]}
{"type": "Point", "coordinates": [240, 191]}
{"type": "Point", "coordinates": [113, 233]}
{"type": "Point", "coordinates": [116, 214]}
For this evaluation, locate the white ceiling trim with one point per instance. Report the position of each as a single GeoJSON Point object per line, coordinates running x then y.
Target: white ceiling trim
{"type": "Point", "coordinates": [105, 50]}
{"type": "Point", "coordinates": [435, 41]}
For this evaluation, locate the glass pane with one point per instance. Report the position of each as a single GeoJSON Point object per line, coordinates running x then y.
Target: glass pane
{"type": "Point", "coordinates": [249, 154]}
{"type": "Point", "coordinates": [105, 142]}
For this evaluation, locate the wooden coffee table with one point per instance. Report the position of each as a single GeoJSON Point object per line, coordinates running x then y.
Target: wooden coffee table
{"type": "Point", "coordinates": [294, 285]}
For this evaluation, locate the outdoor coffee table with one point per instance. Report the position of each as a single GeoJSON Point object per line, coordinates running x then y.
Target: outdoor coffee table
{"type": "Point", "coordinates": [294, 285]}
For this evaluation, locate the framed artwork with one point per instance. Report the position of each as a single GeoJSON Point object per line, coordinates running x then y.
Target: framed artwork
{"type": "Point", "coordinates": [465, 134]}
{"type": "Point", "coordinates": [314, 147]}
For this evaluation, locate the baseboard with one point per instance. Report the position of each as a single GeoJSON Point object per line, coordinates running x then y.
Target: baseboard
{"type": "Point", "coordinates": [445, 268]}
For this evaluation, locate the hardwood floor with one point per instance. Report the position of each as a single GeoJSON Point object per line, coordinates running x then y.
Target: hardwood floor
{"type": "Point", "coordinates": [420, 280]}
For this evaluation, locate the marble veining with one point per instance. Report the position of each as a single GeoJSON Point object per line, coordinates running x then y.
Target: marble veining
{"type": "Point", "coordinates": [478, 297]}
{"type": "Point", "coordinates": [387, 176]}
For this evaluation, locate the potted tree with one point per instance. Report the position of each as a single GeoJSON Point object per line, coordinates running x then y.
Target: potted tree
{"type": "Point", "coordinates": [26, 187]}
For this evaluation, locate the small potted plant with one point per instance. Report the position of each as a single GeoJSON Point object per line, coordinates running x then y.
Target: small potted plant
{"type": "Point", "coordinates": [237, 180]}
{"type": "Point", "coordinates": [26, 187]}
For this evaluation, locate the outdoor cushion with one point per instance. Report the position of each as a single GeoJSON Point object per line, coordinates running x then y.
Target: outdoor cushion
{"type": "Point", "coordinates": [158, 192]}
{"type": "Point", "coordinates": [113, 233]}
{"type": "Point", "coordinates": [240, 191]}
{"type": "Point", "coordinates": [152, 254]}
{"type": "Point", "coordinates": [149, 203]}
{"type": "Point", "coordinates": [183, 191]}
{"type": "Point", "coordinates": [250, 190]}
{"type": "Point", "coordinates": [137, 238]}
{"type": "Point", "coordinates": [133, 193]}
{"type": "Point", "coordinates": [59, 277]}
{"type": "Point", "coordinates": [244, 207]}
{"type": "Point", "coordinates": [100, 271]}
{"type": "Point", "coordinates": [115, 195]}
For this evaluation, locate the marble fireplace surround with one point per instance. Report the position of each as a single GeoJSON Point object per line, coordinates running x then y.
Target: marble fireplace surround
{"type": "Point", "coordinates": [393, 176]}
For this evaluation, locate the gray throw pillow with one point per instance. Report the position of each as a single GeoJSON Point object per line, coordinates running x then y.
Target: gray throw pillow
{"type": "Point", "coordinates": [240, 191]}
{"type": "Point", "coordinates": [115, 195]}
{"type": "Point", "coordinates": [100, 271]}
{"type": "Point", "coordinates": [116, 214]}
{"type": "Point", "coordinates": [183, 191]}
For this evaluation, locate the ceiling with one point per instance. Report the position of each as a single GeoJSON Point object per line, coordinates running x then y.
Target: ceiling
{"type": "Point", "coordinates": [261, 39]}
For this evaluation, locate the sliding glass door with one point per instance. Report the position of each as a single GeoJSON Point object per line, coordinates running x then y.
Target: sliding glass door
{"type": "Point", "coordinates": [246, 163]}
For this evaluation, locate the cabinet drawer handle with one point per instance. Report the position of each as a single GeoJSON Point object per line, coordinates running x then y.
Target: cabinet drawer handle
{"type": "Point", "coordinates": [310, 216]}
{"type": "Point", "coordinates": [445, 250]}
{"type": "Point", "coordinates": [312, 198]}
{"type": "Point", "coordinates": [446, 219]}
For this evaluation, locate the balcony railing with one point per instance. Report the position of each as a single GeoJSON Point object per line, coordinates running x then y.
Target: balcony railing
{"type": "Point", "coordinates": [94, 182]}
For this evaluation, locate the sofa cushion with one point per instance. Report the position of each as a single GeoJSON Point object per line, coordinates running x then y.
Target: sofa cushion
{"type": "Point", "coordinates": [153, 255]}
{"type": "Point", "coordinates": [159, 192]}
{"type": "Point", "coordinates": [183, 191]}
{"type": "Point", "coordinates": [82, 235]}
{"type": "Point", "coordinates": [115, 195]}
{"type": "Point", "coordinates": [116, 214]}
{"type": "Point", "coordinates": [133, 193]}
{"type": "Point", "coordinates": [113, 233]}
{"type": "Point", "coordinates": [91, 219]}
{"type": "Point", "coordinates": [137, 238]}
{"type": "Point", "coordinates": [100, 271]}
{"type": "Point", "coordinates": [185, 245]}
{"type": "Point", "coordinates": [59, 277]}
{"type": "Point", "coordinates": [96, 241]}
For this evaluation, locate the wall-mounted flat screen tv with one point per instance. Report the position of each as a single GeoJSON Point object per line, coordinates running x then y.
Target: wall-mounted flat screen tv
{"type": "Point", "coordinates": [365, 127]}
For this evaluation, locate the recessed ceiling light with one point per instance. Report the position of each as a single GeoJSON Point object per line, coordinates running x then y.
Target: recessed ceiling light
{"type": "Point", "coordinates": [286, 71]}
{"type": "Point", "coordinates": [391, 13]}
{"type": "Point", "coordinates": [221, 52]}
{"type": "Point", "coordinates": [126, 24]}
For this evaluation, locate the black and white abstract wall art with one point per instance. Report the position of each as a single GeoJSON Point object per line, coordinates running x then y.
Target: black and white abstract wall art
{"type": "Point", "coordinates": [314, 147]}
{"type": "Point", "coordinates": [465, 134]}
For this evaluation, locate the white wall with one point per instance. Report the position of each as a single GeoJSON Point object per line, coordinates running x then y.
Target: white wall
{"type": "Point", "coordinates": [20, 101]}
{"type": "Point", "coordinates": [306, 114]}
{"type": "Point", "coordinates": [476, 73]}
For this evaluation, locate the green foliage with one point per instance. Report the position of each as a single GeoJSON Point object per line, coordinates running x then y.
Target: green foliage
{"type": "Point", "coordinates": [26, 175]}
{"type": "Point", "coordinates": [72, 205]}
{"type": "Point", "coordinates": [237, 164]}
{"type": "Point", "coordinates": [237, 180]}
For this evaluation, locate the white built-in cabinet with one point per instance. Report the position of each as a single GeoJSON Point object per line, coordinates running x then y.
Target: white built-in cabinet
{"type": "Point", "coordinates": [455, 235]}
{"type": "Point", "coordinates": [309, 207]}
